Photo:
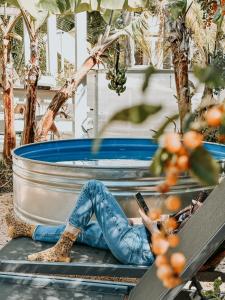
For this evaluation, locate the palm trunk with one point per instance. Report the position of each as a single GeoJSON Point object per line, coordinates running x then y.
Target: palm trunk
{"type": "Point", "coordinates": [7, 86]}
{"type": "Point", "coordinates": [70, 87]}
{"type": "Point", "coordinates": [33, 71]}
{"type": "Point", "coordinates": [180, 46]}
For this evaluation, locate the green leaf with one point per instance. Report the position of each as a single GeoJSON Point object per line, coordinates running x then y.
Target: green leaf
{"type": "Point", "coordinates": [148, 74]}
{"type": "Point", "coordinates": [177, 8]}
{"type": "Point", "coordinates": [161, 130]}
{"type": "Point", "coordinates": [218, 16]}
{"type": "Point", "coordinates": [211, 76]}
{"type": "Point", "coordinates": [135, 114]}
{"type": "Point", "coordinates": [188, 120]}
{"type": "Point", "coordinates": [158, 161]}
{"type": "Point", "coordinates": [204, 167]}
{"type": "Point", "coordinates": [222, 127]}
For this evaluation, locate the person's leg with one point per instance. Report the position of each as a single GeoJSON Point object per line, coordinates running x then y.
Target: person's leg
{"type": "Point", "coordinates": [91, 236]}
{"type": "Point", "coordinates": [121, 238]}
{"type": "Point", "coordinates": [94, 194]}
{"type": "Point", "coordinates": [125, 241]}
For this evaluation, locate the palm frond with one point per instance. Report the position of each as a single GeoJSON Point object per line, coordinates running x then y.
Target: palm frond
{"type": "Point", "coordinates": [138, 29]}
{"type": "Point", "coordinates": [203, 38]}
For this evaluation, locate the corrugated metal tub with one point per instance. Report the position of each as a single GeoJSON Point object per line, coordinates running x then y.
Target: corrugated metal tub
{"type": "Point", "coordinates": [48, 176]}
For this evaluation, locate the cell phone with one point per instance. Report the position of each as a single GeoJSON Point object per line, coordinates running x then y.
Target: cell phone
{"type": "Point", "coordinates": [141, 202]}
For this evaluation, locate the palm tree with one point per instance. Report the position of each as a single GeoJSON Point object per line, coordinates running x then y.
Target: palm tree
{"type": "Point", "coordinates": [6, 28]}
{"type": "Point", "coordinates": [33, 19]}
{"type": "Point", "coordinates": [206, 44]}
{"type": "Point", "coordinates": [178, 37]}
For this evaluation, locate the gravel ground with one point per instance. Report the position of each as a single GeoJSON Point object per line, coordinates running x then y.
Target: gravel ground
{"type": "Point", "coordinates": [6, 202]}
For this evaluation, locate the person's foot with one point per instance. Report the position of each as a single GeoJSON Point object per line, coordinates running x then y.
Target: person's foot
{"type": "Point", "coordinates": [18, 228]}
{"type": "Point", "coordinates": [58, 253]}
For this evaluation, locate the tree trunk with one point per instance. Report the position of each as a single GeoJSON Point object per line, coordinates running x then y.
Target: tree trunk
{"type": "Point", "coordinates": [33, 72]}
{"type": "Point", "coordinates": [60, 98]}
{"type": "Point", "coordinates": [7, 86]}
{"type": "Point", "coordinates": [70, 87]}
{"type": "Point", "coordinates": [180, 45]}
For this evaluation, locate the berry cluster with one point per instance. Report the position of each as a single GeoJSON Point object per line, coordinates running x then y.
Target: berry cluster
{"type": "Point", "coordinates": [215, 117]}
{"type": "Point", "coordinates": [177, 151]}
{"type": "Point", "coordinates": [168, 267]}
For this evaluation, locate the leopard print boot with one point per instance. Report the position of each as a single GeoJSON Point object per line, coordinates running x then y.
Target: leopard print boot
{"type": "Point", "coordinates": [18, 228]}
{"type": "Point", "coordinates": [60, 252]}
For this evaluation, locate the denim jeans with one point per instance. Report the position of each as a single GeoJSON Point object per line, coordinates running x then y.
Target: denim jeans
{"type": "Point", "coordinates": [129, 244]}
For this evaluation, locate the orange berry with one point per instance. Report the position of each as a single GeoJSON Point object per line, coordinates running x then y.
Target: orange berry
{"type": "Point", "coordinates": [221, 108]}
{"type": "Point", "coordinates": [214, 7]}
{"type": "Point", "coordinates": [182, 151]}
{"type": "Point", "coordinates": [161, 260]}
{"type": "Point", "coordinates": [164, 272]}
{"type": "Point", "coordinates": [213, 117]}
{"type": "Point", "coordinates": [172, 175]}
{"type": "Point", "coordinates": [183, 162]}
{"type": "Point", "coordinates": [178, 262]}
{"type": "Point", "coordinates": [171, 179]}
{"type": "Point", "coordinates": [155, 214]}
{"type": "Point", "coordinates": [192, 139]}
{"type": "Point", "coordinates": [160, 246]}
{"type": "Point", "coordinates": [170, 224]}
{"type": "Point", "coordinates": [163, 188]}
{"type": "Point", "coordinates": [173, 240]}
{"type": "Point", "coordinates": [171, 282]}
{"type": "Point", "coordinates": [221, 138]}
{"type": "Point", "coordinates": [172, 142]}
{"type": "Point", "coordinates": [157, 235]}
{"type": "Point", "coordinates": [173, 203]}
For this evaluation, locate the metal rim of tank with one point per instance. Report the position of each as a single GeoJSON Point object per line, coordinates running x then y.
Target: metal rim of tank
{"type": "Point", "coordinates": [43, 169]}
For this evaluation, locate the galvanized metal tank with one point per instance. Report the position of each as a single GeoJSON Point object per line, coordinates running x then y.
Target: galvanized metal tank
{"type": "Point", "coordinates": [49, 176]}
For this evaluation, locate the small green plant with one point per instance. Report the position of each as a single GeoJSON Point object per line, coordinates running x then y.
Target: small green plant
{"type": "Point", "coordinates": [215, 293]}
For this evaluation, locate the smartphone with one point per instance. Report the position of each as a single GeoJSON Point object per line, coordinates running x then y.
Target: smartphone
{"type": "Point", "coordinates": [141, 202]}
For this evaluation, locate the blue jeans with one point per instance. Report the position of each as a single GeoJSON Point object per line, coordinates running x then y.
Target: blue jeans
{"type": "Point", "coordinates": [129, 244]}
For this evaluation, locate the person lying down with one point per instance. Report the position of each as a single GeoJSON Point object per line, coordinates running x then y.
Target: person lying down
{"type": "Point", "coordinates": [129, 242]}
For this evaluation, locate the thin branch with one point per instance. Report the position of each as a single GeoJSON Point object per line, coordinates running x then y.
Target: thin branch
{"type": "Point", "coordinates": [27, 22]}
{"type": "Point", "coordinates": [12, 22]}
{"type": "Point", "coordinates": [2, 25]}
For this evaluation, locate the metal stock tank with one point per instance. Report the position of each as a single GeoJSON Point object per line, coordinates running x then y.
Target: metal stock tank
{"type": "Point", "coordinates": [48, 176]}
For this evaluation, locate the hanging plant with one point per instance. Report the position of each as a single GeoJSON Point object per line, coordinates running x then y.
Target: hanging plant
{"type": "Point", "coordinates": [117, 74]}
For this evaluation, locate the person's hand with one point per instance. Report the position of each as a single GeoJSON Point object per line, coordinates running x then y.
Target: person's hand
{"type": "Point", "coordinates": [149, 224]}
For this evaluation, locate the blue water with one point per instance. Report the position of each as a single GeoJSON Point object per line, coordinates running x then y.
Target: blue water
{"type": "Point", "coordinates": [116, 151]}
